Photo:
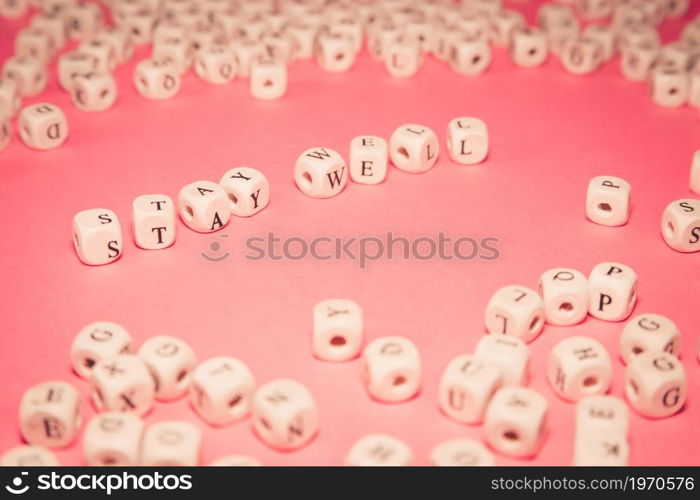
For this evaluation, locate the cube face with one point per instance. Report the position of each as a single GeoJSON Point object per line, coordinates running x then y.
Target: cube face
{"type": "Point", "coordinates": [467, 140]}
{"type": "Point", "coordinates": [379, 36]}
{"type": "Point", "coordinates": [379, 450]}
{"type": "Point", "coordinates": [28, 456]}
{"type": "Point", "coordinates": [461, 453]}
{"type": "Point", "coordinates": [337, 330]}
{"type": "Point", "coordinates": [171, 443]}
{"type": "Point", "coordinates": [649, 332]}
{"type": "Point", "coordinates": [606, 450]}
{"type": "Point", "coordinates": [34, 42]}
{"type": "Point", "coordinates": [565, 295]}
{"type": "Point", "coordinates": [216, 64]}
{"type": "Point", "coordinates": [605, 36]}
{"type": "Point", "coordinates": [601, 414]}
{"type": "Point", "coordinates": [334, 52]}
{"type": "Point", "coordinates": [171, 362]}
{"type": "Point", "coordinates": [510, 354]}
{"type": "Point", "coordinates": [403, 57]}
{"type": "Point", "coordinates": [94, 91]}
{"type": "Point", "coordinates": [204, 206]}
{"type": "Point", "coordinates": [655, 384]}
{"type": "Point", "coordinates": [95, 342]}
{"type": "Point", "coordinates": [120, 42]}
{"type": "Point", "coordinates": [43, 126]}
{"type": "Point", "coordinates": [246, 50]}
{"type": "Point", "coordinates": [515, 421]}
{"type": "Point", "coordinates": [528, 47]}
{"type": "Point", "coordinates": [638, 34]}
{"type": "Point", "coordinates": [83, 20]}
{"type": "Point", "coordinates": [122, 383]}
{"type": "Point", "coordinates": [97, 236]}
{"type": "Point", "coordinates": [470, 56]}
{"type": "Point", "coordinates": [157, 79]}
{"type": "Point", "coordinates": [285, 415]}
{"type": "Point", "coordinates": [153, 219]}
{"type": "Point", "coordinates": [268, 78]}
{"type": "Point", "coordinates": [10, 100]}
{"type": "Point", "coordinates": [29, 73]}
{"type": "Point", "coordinates": [582, 55]}
{"type": "Point", "coordinates": [278, 45]}
{"type": "Point", "coordinates": [113, 439]}
{"type": "Point", "coordinates": [320, 173]}
{"type": "Point", "coordinates": [670, 86]}
{"type": "Point", "coordinates": [503, 24]}
{"type": "Point", "coordinates": [103, 52]}
{"type": "Point", "coordinates": [177, 51]}
{"type": "Point", "coordinates": [413, 148]}
{"type": "Point", "coordinates": [248, 190]}
{"type": "Point", "coordinates": [613, 291]}
{"type": "Point", "coordinates": [303, 34]}
{"type": "Point", "coordinates": [516, 311]}
{"type": "Point", "coordinates": [579, 367]}
{"type": "Point", "coordinates": [679, 54]}
{"type": "Point", "coordinates": [222, 390]}
{"type": "Point", "coordinates": [608, 200]}
{"type": "Point", "coordinates": [74, 63]}
{"type": "Point", "coordinates": [369, 159]}
{"type": "Point", "coordinates": [636, 62]}
{"type": "Point", "coordinates": [466, 387]}
{"type": "Point", "coordinates": [391, 369]}
{"type": "Point", "coordinates": [50, 414]}
{"type": "Point", "coordinates": [680, 225]}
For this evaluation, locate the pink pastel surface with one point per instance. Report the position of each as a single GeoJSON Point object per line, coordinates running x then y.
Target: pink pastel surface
{"type": "Point", "coordinates": [550, 133]}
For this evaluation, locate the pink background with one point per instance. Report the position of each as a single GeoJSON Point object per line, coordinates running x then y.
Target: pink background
{"type": "Point", "coordinates": [550, 133]}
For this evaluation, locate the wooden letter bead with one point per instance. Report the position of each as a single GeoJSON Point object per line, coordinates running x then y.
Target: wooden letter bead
{"type": "Point", "coordinates": [403, 57]}
{"type": "Point", "coordinates": [369, 159]}
{"type": "Point", "coordinates": [177, 51]}
{"type": "Point", "coordinates": [42, 126]}
{"type": "Point", "coordinates": [613, 291]}
{"type": "Point", "coordinates": [304, 36]}
{"type": "Point", "coordinates": [97, 236]}
{"type": "Point", "coordinates": [103, 52]}
{"type": "Point", "coordinates": [285, 415]}
{"type": "Point", "coordinates": [680, 225]}
{"type": "Point", "coordinates": [119, 40]}
{"type": "Point", "coordinates": [517, 311]}
{"type": "Point", "coordinates": [510, 354]}
{"type": "Point", "coordinates": [13, 9]}
{"type": "Point", "coordinates": [157, 79]}
{"type": "Point", "coordinates": [320, 173]}
{"type": "Point", "coordinates": [235, 461]}
{"type": "Point", "coordinates": [50, 414]}
{"type": "Point", "coordinates": [113, 439]}
{"type": "Point", "coordinates": [528, 47]}
{"type": "Point", "coordinates": [10, 100]}
{"type": "Point", "coordinates": [204, 206]}
{"type": "Point", "coordinates": [604, 450]}
{"type": "Point", "coordinates": [565, 296]}
{"type": "Point", "coordinates": [337, 330]}
{"type": "Point", "coordinates": [467, 140]}
{"type": "Point", "coordinates": [268, 78]}
{"type": "Point", "coordinates": [470, 56]}
{"type": "Point", "coordinates": [581, 55]}
{"type": "Point", "coordinates": [379, 450]}
{"type": "Point", "coordinates": [601, 414]}
{"type": "Point", "coordinates": [637, 61]}
{"type": "Point", "coordinates": [153, 218]}
{"type": "Point", "coordinates": [649, 332]}
{"type": "Point", "coordinates": [216, 64]}
{"type": "Point", "coordinates": [669, 86]}
{"type": "Point", "coordinates": [413, 148]}
{"type": "Point", "coordinates": [83, 20]}
{"type": "Point", "coordinates": [94, 91]}
{"type": "Point", "coordinates": [29, 73]}
{"type": "Point", "coordinates": [27, 455]}
{"type": "Point", "coordinates": [379, 36]}
{"type": "Point", "coordinates": [246, 51]}
{"type": "Point", "coordinates": [605, 36]}
{"type": "Point", "coordinates": [122, 383]}
{"type": "Point", "coordinates": [503, 24]}
{"type": "Point", "coordinates": [466, 387]}
{"type": "Point", "coordinates": [679, 54]}
{"type": "Point", "coordinates": [608, 200]}
{"type": "Point", "coordinates": [515, 420]}
{"type": "Point", "coordinates": [95, 342]}
{"type": "Point", "coordinates": [248, 190]}
{"type": "Point", "coordinates": [171, 444]}
{"type": "Point", "coordinates": [74, 63]}
{"type": "Point", "coordinates": [171, 362]}
{"type": "Point", "coordinates": [461, 453]}
{"type": "Point", "coordinates": [391, 369]}
{"type": "Point", "coordinates": [655, 384]}
{"type": "Point", "coordinates": [334, 52]}
{"type": "Point", "coordinates": [579, 367]}
{"type": "Point", "coordinates": [222, 390]}
{"type": "Point", "coordinates": [5, 131]}
{"type": "Point", "coordinates": [694, 170]}
{"type": "Point", "coordinates": [35, 43]}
